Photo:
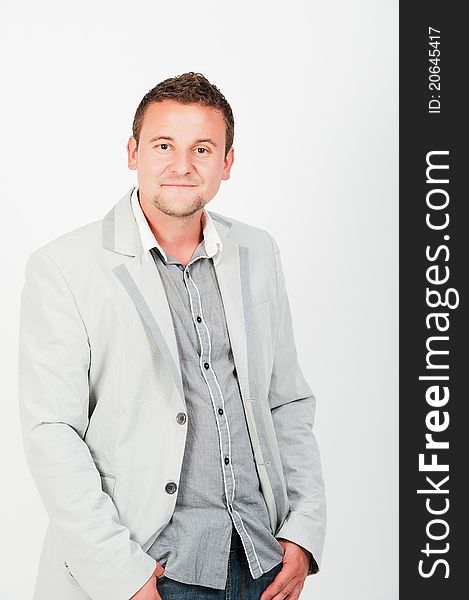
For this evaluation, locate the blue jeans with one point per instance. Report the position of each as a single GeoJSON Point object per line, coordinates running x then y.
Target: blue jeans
{"type": "Point", "coordinates": [239, 585]}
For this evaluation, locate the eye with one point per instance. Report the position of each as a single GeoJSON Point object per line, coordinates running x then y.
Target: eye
{"type": "Point", "coordinates": [204, 151]}
{"type": "Point", "coordinates": [162, 146]}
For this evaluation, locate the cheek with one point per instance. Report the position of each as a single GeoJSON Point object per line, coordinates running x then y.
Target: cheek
{"type": "Point", "coordinates": [213, 174]}
{"type": "Point", "coordinates": [152, 161]}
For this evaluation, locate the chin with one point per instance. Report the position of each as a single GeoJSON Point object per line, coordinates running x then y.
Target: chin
{"type": "Point", "coordinates": [178, 207]}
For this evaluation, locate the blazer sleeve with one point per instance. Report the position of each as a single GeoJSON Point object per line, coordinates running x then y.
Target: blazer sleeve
{"type": "Point", "coordinates": [293, 409]}
{"type": "Point", "coordinates": [54, 358]}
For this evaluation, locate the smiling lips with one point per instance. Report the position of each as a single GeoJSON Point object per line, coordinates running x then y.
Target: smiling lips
{"type": "Point", "coordinates": [176, 185]}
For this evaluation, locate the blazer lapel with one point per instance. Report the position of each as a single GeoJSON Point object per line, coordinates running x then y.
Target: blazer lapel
{"type": "Point", "coordinates": [236, 303]}
{"type": "Point", "coordinates": [141, 279]}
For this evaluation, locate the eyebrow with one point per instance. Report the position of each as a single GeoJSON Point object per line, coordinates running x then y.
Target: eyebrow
{"type": "Point", "coordinates": [166, 137]}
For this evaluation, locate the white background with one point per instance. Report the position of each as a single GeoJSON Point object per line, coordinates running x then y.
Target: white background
{"type": "Point", "coordinates": [313, 86]}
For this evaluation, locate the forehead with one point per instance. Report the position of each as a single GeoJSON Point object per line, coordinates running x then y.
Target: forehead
{"type": "Point", "coordinates": [175, 119]}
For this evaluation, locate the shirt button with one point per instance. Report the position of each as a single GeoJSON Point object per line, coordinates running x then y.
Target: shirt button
{"type": "Point", "coordinates": [227, 460]}
{"type": "Point", "coordinates": [220, 411]}
{"type": "Point", "coordinates": [199, 319]}
{"type": "Point", "coordinates": [170, 487]}
{"type": "Point", "coordinates": [206, 365]}
{"type": "Point", "coordinates": [181, 418]}
{"type": "Point", "coordinates": [187, 273]}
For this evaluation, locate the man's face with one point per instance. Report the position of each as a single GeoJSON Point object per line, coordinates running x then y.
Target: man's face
{"type": "Point", "coordinates": [180, 157]}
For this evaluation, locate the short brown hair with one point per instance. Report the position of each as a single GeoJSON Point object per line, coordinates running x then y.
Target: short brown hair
{"type": "Point", "coordinates": [188, 88]}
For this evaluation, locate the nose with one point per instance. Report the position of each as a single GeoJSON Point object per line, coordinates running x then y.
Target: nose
{"type": "Point", "coordinates": [181, 163]}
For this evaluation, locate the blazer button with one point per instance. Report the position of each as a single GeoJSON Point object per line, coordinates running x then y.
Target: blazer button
{"type": "Point", "coordinates": [181, 418]}
{"type": "Point", "coordinates": [170, 487]}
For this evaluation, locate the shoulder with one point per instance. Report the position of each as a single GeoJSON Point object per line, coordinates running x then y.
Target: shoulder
{"type": "Point", "coordinates": [79, 244]}
{"type": "Point", "coordinates": [244, 233]}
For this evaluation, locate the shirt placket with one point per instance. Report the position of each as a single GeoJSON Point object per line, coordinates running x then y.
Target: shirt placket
{"type": "Point", "coordinates": [218, 404]}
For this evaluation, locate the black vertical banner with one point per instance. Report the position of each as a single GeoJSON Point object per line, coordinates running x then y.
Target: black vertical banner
{"type": "Point", "coordinates": [434, 252]}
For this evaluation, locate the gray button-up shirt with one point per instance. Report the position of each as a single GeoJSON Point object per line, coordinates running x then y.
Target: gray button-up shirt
{"type": "Point", "coordinates": [219, 486]}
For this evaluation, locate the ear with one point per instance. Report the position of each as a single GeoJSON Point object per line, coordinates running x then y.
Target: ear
{"type": "Point", "coordinates": [228, 163]}
{"type": "Point", "coordinates": [132, 153]}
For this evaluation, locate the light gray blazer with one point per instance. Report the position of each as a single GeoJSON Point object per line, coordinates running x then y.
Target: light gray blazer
{"type": "Point", "coordinates": [100, 387]}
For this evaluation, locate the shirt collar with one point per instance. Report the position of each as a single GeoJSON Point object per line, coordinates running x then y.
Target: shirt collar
{"type": "Point", "coordinates": [212, 241]}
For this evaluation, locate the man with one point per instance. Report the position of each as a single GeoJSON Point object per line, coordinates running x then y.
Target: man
{"type": "Point", "coordinates": [165, 418]}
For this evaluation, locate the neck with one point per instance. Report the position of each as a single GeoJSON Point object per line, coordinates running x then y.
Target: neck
{"type": "Point", "coordinates": [178, 236]}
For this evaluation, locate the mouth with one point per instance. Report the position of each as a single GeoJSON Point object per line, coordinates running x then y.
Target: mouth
{"type": "Point", "coordinates": [178, 185]}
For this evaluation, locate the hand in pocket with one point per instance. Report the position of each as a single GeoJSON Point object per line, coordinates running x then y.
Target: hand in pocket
{"type": "Point", "coordinates": [149, 591]}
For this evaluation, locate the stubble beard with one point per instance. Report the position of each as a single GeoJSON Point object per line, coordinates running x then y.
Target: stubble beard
{"type": "Point", "coordinates": [168, 208]}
